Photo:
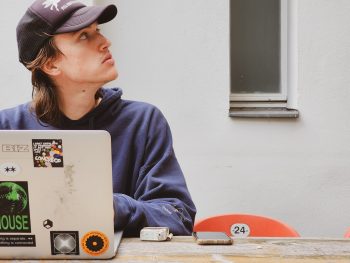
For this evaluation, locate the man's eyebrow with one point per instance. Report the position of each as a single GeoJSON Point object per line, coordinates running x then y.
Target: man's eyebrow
{"type": "Point", "coordinates": [82, 30]}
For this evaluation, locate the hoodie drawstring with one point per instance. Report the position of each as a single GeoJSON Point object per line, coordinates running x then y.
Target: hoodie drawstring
{"type": "Point", "coordinates": [91, 123]}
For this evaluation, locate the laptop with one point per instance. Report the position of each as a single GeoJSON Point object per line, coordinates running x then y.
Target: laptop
{"type": "Point", "coordinates": [56, 196]}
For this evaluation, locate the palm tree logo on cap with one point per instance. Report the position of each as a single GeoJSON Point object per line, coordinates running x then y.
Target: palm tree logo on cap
{"type": "Point", "coordinates": [52, 4]}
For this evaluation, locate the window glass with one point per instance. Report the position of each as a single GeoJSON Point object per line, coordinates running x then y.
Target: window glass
{"type": "Point", "coordinates": [255, 46]}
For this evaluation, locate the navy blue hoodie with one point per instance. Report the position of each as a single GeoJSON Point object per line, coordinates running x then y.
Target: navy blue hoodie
{"type": "Point", "coordinates": [148, 184]}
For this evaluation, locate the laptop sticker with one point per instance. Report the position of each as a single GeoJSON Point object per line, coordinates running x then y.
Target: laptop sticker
{"type": "Point", "coordinates": [48, 224]}
{"type": "Point", "coordinates": [64, 242]}
{"type": "Point", "coordinates": [95, 243]}
{"type": "Point", "coordinates": [15, 148]}
{"type": "Point", "coordinates": [9, 169]}
{"type": "Point", "coordinates": [47, 153]}
{"type": "Point", "coordinates": [17, 241]}
{"type": "Point", "coordinates": [14, 207]}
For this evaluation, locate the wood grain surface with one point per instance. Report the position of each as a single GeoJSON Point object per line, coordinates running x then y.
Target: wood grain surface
{"type": "Point", "coordinates": [184, 249]}
{"type": "Point", "coordinates": [252, 250]}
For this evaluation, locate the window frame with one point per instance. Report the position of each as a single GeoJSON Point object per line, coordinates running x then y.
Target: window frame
{"type": "Point", "coordinates": [270, 99]}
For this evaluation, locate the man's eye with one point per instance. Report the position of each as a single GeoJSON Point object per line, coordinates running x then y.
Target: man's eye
{"type": "Point", "coordinates": [83, 36]}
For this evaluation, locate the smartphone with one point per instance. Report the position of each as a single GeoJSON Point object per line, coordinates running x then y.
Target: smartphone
{"type": "Point", "coordinates": [212, 238]}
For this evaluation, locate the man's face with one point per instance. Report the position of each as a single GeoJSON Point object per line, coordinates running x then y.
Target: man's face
{"type": "Point", "coordinates": [86, 58]}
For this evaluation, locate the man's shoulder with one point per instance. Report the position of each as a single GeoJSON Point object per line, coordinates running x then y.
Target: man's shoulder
{"type": "Point", "coordinates": [22, 108]}
{"type": "Point", "coordinates": [139, 105]}
{"type": "Point", "coordinates": [13, 115]}
{"type": "Point", "coordinates": [142, 109]}
{"type": "Point", "coordinates": [131, 110]}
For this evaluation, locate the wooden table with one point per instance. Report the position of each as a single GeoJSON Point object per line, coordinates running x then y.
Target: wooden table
{"type": "Point", "coordinates": [252, 250]}
{"type": "Point", "coordinates": [256, 250]}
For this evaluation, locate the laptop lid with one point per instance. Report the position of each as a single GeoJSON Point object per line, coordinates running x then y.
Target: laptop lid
{"type": "Point", "coordinates": [56, 196]}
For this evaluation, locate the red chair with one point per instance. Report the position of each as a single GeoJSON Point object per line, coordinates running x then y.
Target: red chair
{"type": "Point", "coordinates": [242, 225]}
{"type": "Point", "coordinates": [347, 233]}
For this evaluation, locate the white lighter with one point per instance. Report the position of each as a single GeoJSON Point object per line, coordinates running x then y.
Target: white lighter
{"type": "Point", "coordinates": [155, 234]}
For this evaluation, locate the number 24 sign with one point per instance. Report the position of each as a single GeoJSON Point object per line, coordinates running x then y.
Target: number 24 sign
{"type": "Point", "coordinates": [240, 230]}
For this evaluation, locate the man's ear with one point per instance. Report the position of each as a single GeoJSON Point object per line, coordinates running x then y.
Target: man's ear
{"type": "Point", "coordinates": [51, 67]}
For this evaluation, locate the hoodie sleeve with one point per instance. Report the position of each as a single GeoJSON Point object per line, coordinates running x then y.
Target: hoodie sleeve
{"type": "Point", "coordinates": [161, 197]}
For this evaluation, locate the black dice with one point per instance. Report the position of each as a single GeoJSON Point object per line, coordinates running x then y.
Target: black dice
{"type": "Point", "coordinates": [47, 223]}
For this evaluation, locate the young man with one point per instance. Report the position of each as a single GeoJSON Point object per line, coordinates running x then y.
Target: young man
{"type": "Point", "coordinates": [60, 43]}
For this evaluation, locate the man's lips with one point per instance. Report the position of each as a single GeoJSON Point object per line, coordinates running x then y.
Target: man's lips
{"type": "Point", "coordinates": [108, 59]}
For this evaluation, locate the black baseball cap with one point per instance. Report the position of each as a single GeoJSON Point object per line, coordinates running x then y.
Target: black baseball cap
{"type": "Point", "coordinates": [45, 18]}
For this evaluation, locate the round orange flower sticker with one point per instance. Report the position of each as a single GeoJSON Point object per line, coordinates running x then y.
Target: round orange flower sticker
{"type": "Point", "coordinates": [95, 243]}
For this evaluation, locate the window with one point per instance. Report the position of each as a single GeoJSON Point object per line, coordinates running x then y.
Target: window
{"type": "Point", "coordinates": [260, 53]}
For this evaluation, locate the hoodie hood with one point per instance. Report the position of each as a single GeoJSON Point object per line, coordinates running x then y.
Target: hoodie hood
{"type": "Point", "coordinates": [100, 116]}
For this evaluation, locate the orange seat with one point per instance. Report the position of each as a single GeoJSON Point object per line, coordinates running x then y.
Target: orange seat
{"type": "Point", "coordinates": [242, 225]}
{"type": "Point", "coordinates": [347, 233]}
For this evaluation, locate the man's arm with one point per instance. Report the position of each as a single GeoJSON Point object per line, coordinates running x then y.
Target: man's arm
{"type": "Point", "coordinates": [161, 197]}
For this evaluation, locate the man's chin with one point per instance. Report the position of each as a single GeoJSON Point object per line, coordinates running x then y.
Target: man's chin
{"type": "Point", "coordinates": [115, 76]}
{"type": "Point", "coordinates": [112, 78]}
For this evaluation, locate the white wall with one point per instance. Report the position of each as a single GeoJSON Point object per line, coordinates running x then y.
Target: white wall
{"type": "Point", "coordinates": [15, 79]}
{"type": "Point", "coordinates": [175, 54]}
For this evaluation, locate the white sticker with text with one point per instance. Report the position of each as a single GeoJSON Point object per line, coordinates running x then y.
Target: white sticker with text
{"type": "Point", "coordinates": [9, 169]}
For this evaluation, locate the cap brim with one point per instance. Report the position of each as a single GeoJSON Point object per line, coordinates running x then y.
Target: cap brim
{"type": "Point", "coordinates": [85, 16]}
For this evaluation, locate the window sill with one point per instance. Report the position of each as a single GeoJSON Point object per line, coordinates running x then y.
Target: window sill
{"type": "Point", "coordinates": [263, 113]}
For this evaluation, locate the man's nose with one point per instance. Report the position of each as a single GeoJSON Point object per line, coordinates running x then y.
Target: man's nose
{"type": "Point", "coordinates": [105, 43]}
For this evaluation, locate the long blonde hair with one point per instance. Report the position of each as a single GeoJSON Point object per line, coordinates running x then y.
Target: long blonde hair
{"type": "Point", "coordinates": [44, 95]}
